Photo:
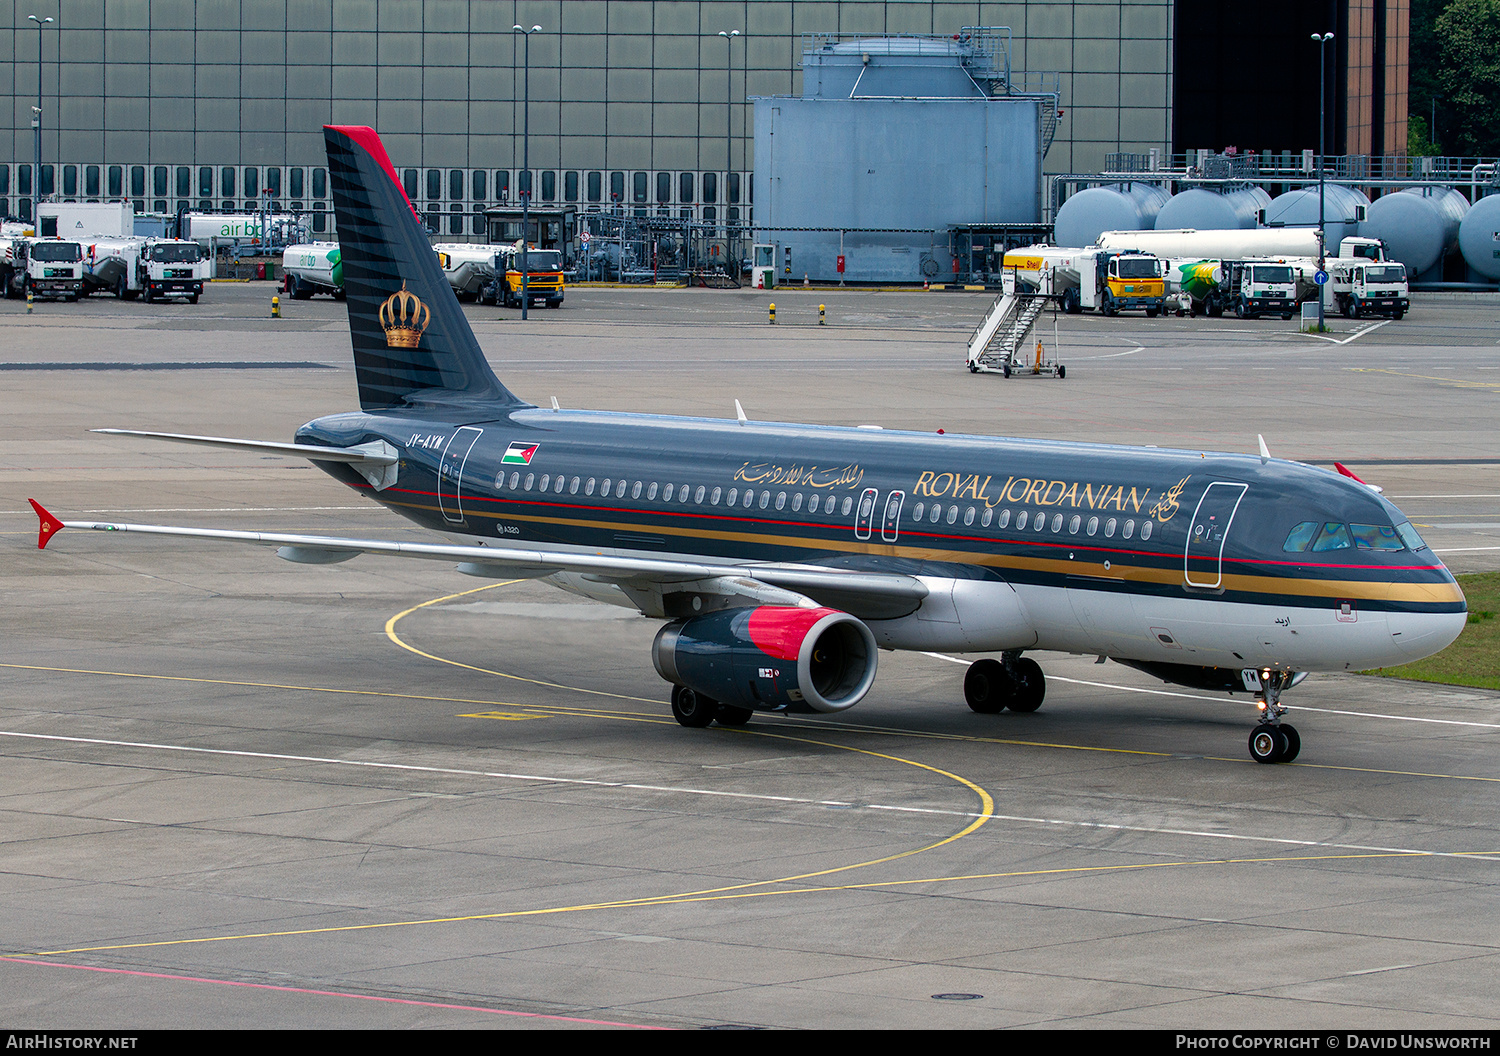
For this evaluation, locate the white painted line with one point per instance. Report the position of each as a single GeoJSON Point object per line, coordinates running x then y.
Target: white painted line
{"type": "Point", "coordinates": [1352, 337]}
{"type": "Point", "coordinates": [501, 775]}
{"type": "Point", "coordinates": [1112, 355]}
{"type": "Point", "coordinates": [409, 767]}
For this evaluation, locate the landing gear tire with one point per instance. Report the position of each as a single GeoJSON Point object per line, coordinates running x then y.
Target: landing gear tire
{"type": "Point", "coordinates": [1293, 743]}
{"type": "Point", "coordinates": [1030, 685]}
{"type": "Point", "coordinates": [692, 709]}
{"type": "Point", "coordinates": [729, 715]}
{"type": "Point", "coordinates": [1268, 744]}
{"type": "Point", "coordinates": [987, 687]}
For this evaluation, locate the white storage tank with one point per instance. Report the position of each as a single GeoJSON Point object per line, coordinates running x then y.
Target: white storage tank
{"type": "Point", "coordinates": [1344, 208]}
{"type": "Point", "coordinates": [1479, 237]}
{"type": "Point", "coordinates": [1418, 225]}
{"type": "Point", "coordinates": [1117, 207]}
{"type": "Point", "coordinates": [1211, 211]}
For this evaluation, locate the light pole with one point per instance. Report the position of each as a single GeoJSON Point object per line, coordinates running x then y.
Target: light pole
{"type": "Point", "coordinates": [36, 117]}
{"type": "Point", "coordinates": [728, 36]}
{"type": "Point", "coordinates": [526, 168]}
{"type": "Point", "coordinates": [1322, 40]}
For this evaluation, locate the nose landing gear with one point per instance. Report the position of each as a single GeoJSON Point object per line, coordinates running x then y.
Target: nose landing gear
{"type": "Point", "coordinates": [1274, 741]}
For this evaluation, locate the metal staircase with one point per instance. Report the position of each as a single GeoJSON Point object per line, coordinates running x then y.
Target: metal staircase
{"type": "Point", "coordinates": [1002, 331]}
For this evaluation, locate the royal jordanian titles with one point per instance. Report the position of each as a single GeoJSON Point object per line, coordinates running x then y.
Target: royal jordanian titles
{"type": "Point", "coordinates": [784, 557]}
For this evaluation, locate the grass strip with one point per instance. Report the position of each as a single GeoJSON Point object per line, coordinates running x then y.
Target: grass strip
{"type": "Point", "coordinates": [1474, 659]}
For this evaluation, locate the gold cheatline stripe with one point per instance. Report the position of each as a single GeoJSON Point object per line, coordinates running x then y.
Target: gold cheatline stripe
{"type": "Point", "coordinates": [1340, 589]}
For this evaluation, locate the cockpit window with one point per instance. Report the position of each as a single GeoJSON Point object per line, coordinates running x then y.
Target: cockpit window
{"type": "Point", "coordinates": [1376, 537]}
{"type": "Point", "coordinates": [1332, 536]}
{"type": "Point", "coordinates": [176, 253]}
{"type": "Point", "coordinates": [1409, 536]}
{"type": "Point", "coordinates": [1298, 538]}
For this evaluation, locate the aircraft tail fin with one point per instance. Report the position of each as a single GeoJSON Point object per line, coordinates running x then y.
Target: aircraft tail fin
{"type": "Point", "coordinates": [412, 343]}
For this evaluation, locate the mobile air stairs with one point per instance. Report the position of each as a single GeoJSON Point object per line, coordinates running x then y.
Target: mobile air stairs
{"type": "Point", "coordinates": [997, 344]}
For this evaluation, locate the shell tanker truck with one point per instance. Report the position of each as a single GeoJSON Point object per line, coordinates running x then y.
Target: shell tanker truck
{"type": "Point", "coordinates": [469, 267]}
{"type": "Point", "coordinates": [1109, 280]}
{"type": "Point", "coordinates": [544, 276]}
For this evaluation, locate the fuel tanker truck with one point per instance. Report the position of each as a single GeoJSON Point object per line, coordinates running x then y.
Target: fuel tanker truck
{"type": "Point", "coordinates": [1249, 288]}
{"type": "Point", "coordinates": [1266, 270]}
{"type": "Point", "coordinates": [468, 266]}
{"type": "Point", "coordinates": [1109, 280]}
{"type": "Point", "coordinates": [1261, 243]}
{"type": "Point", "coordinates": [312, 267]}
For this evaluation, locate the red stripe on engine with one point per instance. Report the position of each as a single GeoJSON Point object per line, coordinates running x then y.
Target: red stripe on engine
{"type": "Point", "coordinates": [779, 630]}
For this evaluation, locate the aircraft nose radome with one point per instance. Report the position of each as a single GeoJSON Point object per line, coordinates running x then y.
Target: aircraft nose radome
{"type": "Point", "coordinates": [1420, 634]}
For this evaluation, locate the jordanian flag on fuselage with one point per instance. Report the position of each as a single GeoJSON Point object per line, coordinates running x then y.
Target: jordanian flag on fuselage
{"type": "Point", "coordinates": [519, 454]}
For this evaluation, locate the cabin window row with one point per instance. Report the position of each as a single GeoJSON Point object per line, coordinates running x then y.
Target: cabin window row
{"type": "Point", "coordinates": [671, 492]}
{"type": "Point", "coordinates": [1029, 520]}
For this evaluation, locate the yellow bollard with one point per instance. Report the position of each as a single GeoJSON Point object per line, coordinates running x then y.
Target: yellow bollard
{"type": "Point", "coordinates": [773, 313]}
{"type": "Point", "coordinates": [28, 302]}
{"type": "Point", "coordinates": [275, 306]}
{"type": "Point", "coordinates": [821, 311]}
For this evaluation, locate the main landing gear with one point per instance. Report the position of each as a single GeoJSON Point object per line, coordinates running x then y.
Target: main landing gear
{"type": "Point", "coordinates": [694, 710]}
{"type": "Point", "coordinates": [1274, 741]}
{"type": "Point", "coordinates": [1013, 682]}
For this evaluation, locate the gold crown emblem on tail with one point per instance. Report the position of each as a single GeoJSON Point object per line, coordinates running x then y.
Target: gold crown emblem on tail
{"type": "Point", "coordinates": [403, 317]}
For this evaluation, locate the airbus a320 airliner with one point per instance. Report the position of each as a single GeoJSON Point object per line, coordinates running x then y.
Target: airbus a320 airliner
{"type": "Point", "coordinates": [783, 557]}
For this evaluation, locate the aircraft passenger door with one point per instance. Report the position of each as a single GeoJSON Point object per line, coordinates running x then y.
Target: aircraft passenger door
{"type": "Point", "coordinates": [1203, 558]}
{"type": "Point", "coordinates": [891, 525]}
{"type": "Point", "coordinates": [864, 515]}
{"type": "Point", "coordinates": [451, 472]}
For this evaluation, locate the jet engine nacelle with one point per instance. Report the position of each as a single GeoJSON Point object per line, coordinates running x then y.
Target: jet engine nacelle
{"type": "Point", "coordinates": [770, 657]}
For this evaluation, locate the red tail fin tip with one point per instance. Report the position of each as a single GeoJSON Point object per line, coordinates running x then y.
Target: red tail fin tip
{"type": "Point", "coordinates": [50, 525]}
{"type": "Point", "coordinates": [1345, 471]}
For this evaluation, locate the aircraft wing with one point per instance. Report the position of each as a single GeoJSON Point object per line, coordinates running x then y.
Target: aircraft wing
{"type": "Point", "coordinates": [871, 594]}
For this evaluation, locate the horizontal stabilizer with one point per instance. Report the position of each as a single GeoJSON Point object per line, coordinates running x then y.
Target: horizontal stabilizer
{"type": "Point", "coordinates": [376, 461]}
